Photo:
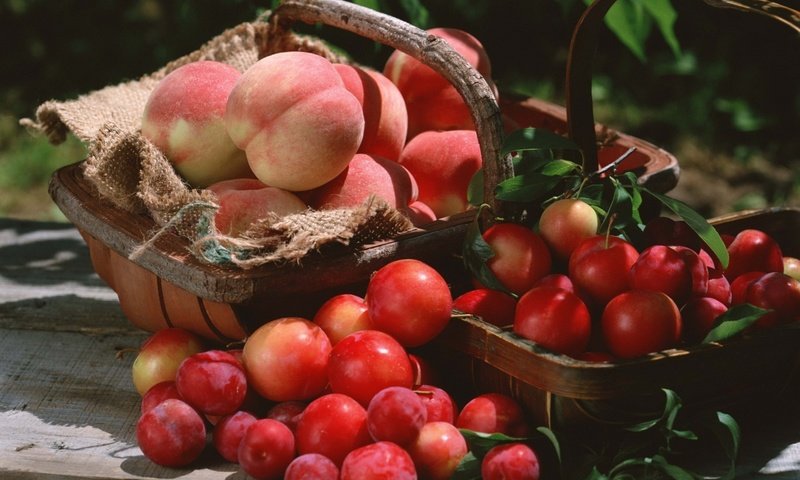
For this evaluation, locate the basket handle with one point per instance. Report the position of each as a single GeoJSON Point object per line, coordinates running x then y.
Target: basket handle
{"type": "Point", "coordinates": [428, 49]}
{"type": "Point", "coordinates": [580, 115]}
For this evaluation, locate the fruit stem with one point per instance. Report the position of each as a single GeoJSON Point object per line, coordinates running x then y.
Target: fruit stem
{"type": "Point", "coordinates": [613, 165]}
{"type": "Point", "coordinates": [610, 225]}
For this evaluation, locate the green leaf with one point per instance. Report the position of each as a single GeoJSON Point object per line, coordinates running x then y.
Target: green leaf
{"type": "Point", "coordinates": [372, 4]}
{"type": "Point", "coordinates": [475, 189]}
{"type": "Point", "coordinates": [559, 168]}
{"type": "Point", "coordinates": [480, 443]}
{"type": "Point", "coordinates": [636, 195]}
{"type": "Point", "coordinates": [526, 188]}
{"type": "Point", "coordinates": [618, 471]}
{"type": "Point", "coordinates": [665, 16]}
{"type": "Point", "coordinates": [551, 436]}
{"type": "Point", "coordinates": [620, 208]}
{"type": "Point", "coordinates": [630, 23]}
{"type": "Point", "coordinates": [596, 475]}
{"type": "Point", "coordinates": [705, 230]}
{"type": "Point", "coordinates": [417, 13]}
{"type": "Point", "coordinates": [476, 253]}
{"type": "Point", "coordinates": [675, 472]}
{"type": "Point", "coordinates": [536, 139]}
{"type": "Point", "coordinates": [469, 468]}
{"type": "Point", "coordinates": [728, 433]}
{"type": "Point", "coordinates": [685, 434]}
{"type": "Point", "coordinates": [536, 167]}
{"type": "Point", "coordinates": [734, 320]}
{"type": "Point", "coordinates": [671, 405]}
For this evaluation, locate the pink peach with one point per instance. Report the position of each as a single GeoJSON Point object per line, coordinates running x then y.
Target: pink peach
{"type": "Point", "coordinates": [443, 163]}
{"type": "Point", "coordinates": [296, 121]}
{"type": "Point", "coordinates": [183, 117]}
{"type": "Point", "coordinates": [432, 102]}
{"type": "Point", "coordinates": [366, 175]}
{"type": "Point", "coordinates": [385, 116]}
{"type": "Point", "coordinates": [243, 201]}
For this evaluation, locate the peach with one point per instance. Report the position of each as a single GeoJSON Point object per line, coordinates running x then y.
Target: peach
{"type": "Point", "coordinates": [777, 292]}
{"type": "Point", "coordinates": [385, 116]}
{"type": "Point", "coordinates": [419, 213]}
{"type": "Point", "coordinates": [184, 118]}
{"type": "Point", "coordinates": [298, 124]}
{"type": "Point", "coordinates": [753, 250]}
{"type": "Point", "coordinates": [565, 223]}
{"type": "Point", "coordinates": [243, 201]}
{"type": "Point", "coordinates": [443, 163]}
{"type": "Point", "coordinates": [341, 315]}
{"type": "Point", "coordinates": [432, 102]}
{"type": "Point", "coordinates": [791, 267]}
{"type": "Point", "coordinates": [366, 175]}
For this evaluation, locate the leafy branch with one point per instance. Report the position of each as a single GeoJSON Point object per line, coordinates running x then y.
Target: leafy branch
{"type": "Point", "coordinates": [644, 451]}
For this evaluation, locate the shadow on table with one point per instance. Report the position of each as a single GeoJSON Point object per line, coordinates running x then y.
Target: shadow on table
{"type": "Point", "coordinates": [769, 427]}
{"type": "Point", "coordinates": [209, 459]}
{"type": "Point", "coordinates": [67, 313]}
{"type": "Point", "coordinates": [44, 253]}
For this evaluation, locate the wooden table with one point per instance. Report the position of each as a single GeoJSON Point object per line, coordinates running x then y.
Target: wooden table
{"type": "Point", "coordinates": [68, 408]}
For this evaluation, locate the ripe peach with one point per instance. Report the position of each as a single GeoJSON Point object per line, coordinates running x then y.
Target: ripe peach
{"type": "Point", "coordinates": [243, 201]}
{"type": "Point", "coordinates": [295, 119]}
{"type": "Point", "coordinates": [599, 268]}
{"type": "Point", "coordinates": [791, 267]}
{"type": "Point", "coordinates": [777, 292]}
{"type": "Point", "coordinates": [520, 258]}
{"type": "Point", "coordinates": [342, 315]}
{"type": "Point", "coordinates": [514, 460]}
{"type": "Point", "coordinates": [183, 117]}
{"type": "Point", "coordinates": [438, 450]}
{"type": "Point", "coordinates": [440, 405]}
{"type": "Point", "coordinates": [556, 280]}
{"type": "Point", "coordinates": [565, 223]}
{"type": "Point", "coordinates": [554, 318]}
{"type": "Point", "coordinates": [443, 163]}
{"type": "Point", "coordinates": [419, 213]}
{"type": "Point", "coordinates": [698, 316]}
{"type": "Point", "coordinates": [678, 272]}
{"type": "Point", "coordinates": [494, 413]}
{"type": "Point", "coordinates": [432, 102]}
{"type": "Point", "coordinates": [719, 287]}
{"type": "Point", "coordinates": [366, 175]}
{"type": "Point", "coordinates": [492, 306]}
{"type": "Point", "coordinates": [385, 116]}
{"type": "Point", "coordinates": [753, 250]}
{"type": "Point", "coordinates": [160, 356]}
{"type": "Point", "coordinates": [638, 322]}
{"type": "Point", "coordinates": [287, 359]}
{"type": "Point", "coordinates": [740, 284]}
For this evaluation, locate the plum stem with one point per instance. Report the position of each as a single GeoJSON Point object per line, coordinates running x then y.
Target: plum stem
{"type": "Point", "coordinates": [613, 165]}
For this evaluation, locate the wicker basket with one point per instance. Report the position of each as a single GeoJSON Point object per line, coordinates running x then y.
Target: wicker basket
{"type": "Point", "coordinates": [557, 390]}
{"type": "Point", "coordinates": [166, 286]}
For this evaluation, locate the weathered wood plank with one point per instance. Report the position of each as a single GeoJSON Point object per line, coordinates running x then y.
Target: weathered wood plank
{"type": "Point", "coordinates": [68, 408]}
{"type": "Point", "coordinates": [67, 403]}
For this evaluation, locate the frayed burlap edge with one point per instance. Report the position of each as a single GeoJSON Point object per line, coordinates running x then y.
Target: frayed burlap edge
{"type": "Point", "coordinates": [293, 237]}
{"type": "Point", "coordinates": [132, 174]}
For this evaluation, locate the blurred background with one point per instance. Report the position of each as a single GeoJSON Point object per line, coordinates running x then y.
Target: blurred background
{"type": "Point", "coordinates": [718, 88]}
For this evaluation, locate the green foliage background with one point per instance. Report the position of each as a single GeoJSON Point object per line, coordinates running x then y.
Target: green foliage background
{"type": "Point", "coordinates": [727, 103]}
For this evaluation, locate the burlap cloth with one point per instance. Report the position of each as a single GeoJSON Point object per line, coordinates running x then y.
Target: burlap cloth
{"type": "Point", "coordinates": [132, 174]}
